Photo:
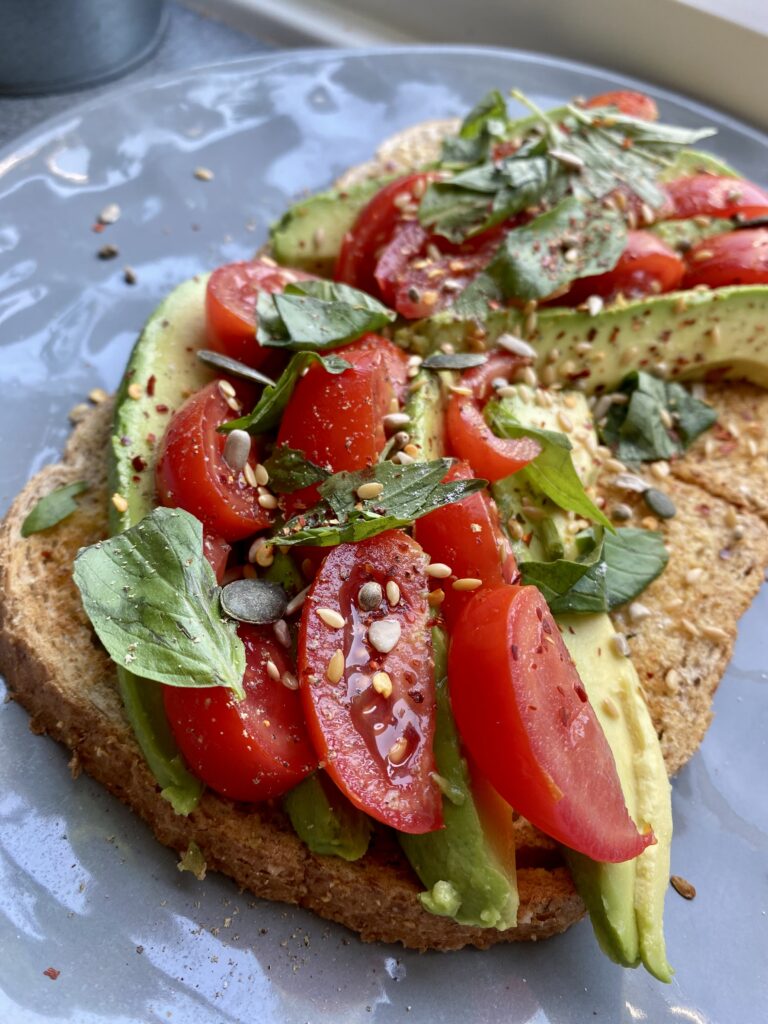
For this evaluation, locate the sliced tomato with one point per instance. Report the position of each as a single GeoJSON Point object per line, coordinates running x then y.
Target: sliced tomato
{"type": "Point", "coordinates": [466, 536]}
{"type": "Point", "coordinates": [525, 718]}
{"type": "Point", "coordinates": [647, 266]}
{"type": "Point", "coordinates": [230, 306]}
{"type": "Point", "coordinates": [216, 550]}
{"type": "Point", "coordinates": [633, 104]}
{"type": "Point", "coordinates": [737, 257]}
{"type": "Point", "coordinates": [250, 749]}
{"type": "Point", "coordinates": [336, 419]}
{"type": "Point", "coordinates": [192, 474]}
{"type": "Point", "coordinates": [712, 195]}
{"type": "Point", "coordinates": [376, 746]}
{"type": "Point", "coordinates": [470, 436]}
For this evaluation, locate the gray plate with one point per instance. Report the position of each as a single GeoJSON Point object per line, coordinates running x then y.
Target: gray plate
{"type": "Point", "coordinates": [84, 888]}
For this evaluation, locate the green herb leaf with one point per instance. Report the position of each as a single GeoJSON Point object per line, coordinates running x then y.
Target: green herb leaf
{"type": "Point", "coordinates": [268, 411]}
{"type": "Point", "coordinates": [53, 508]}
{"type": "Point", "coordinates": [570, 586]}
{"type": "Point", "coordinates": [486, 122]}
{"type": "Point", "coordinates": [573, 240]}
{"type": "Point", "coordinates": [317, 315]}
{"type": "Point", "coordinates": [154, 603]}
{"type": "Point", "coordinates": [409, 492]}
{"type": "Point", "coordinates": [454, 360]}
{"type": "Point", "coordinates": [633, 558]}
{"type": "Point", "coordinates": [636, 431]}
{"type": "Point", "coordinates": [289, 470]}
{"type": "Point", "coordinates": [552, 471]}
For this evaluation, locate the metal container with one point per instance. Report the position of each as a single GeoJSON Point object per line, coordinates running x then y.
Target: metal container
{"type": "Point", "coordinates": [55, 45]}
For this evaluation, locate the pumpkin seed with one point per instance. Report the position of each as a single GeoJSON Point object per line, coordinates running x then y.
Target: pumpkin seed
{"type": "Point", "coordinates": [257, 601]}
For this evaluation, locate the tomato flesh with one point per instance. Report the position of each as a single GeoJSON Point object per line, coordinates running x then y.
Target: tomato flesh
{"type": "Point", "coordinates": [466, 536]}
{"type": "Point", "coordinates": [251, 749]}
{"type": "Point", "coordinates": [626, 101]}
{"type": "Point", "coordinates": [216, 550]}
{"type": "Point", "coordinates": [647, 266]}
{"type": "Point", "coordinates": [737, 257]}
{"type": "Point", "coordinates": [713, 195]}
{"type": "Point", "coordinates": [470, 437]}
{"type": "Point", "coordinates": [191, 472]}
{"type": "Point", "coordinates": [377, 747]}
{"type": "Point", "coordinates": [525, 718]}
{"type": "Point", "coordinates": [230, 307]}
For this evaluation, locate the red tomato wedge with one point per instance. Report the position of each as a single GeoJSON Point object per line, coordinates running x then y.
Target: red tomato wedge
{"type": "Point", "coordinates": [376, 746]}
{"type": "Point", "coordinates": [251, 749]}
{"type": "Point", "coordinates": [336, 419]}
{"type": "Point", "coordinates": [216, 550]}
{"type": "Point", "coordinates": [525, 718]}
{"type": "Point", "coordinates": [230, 306]}
{"type": "Point", "coordinates": [712, 195]}
{"type": "Point", "coordinates": [647, 266]}
{"type": "Point", "coordinates": [738, 257]}
{"type": "Point", "coordinates": [633, 104]}
{"type": "Point", "coordinates": [192, 474]}
{"type": "Point", "coordinates": [470, 436]}
{"type": "Point", "coordinates": [466, 536]}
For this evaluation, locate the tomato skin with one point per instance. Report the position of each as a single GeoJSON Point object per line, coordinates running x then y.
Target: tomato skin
{"type": "Point", "coordinates": [352, 726]}
{"type": "Point", "coordinates": [647, 266]}
{"type": "Point", "coordinates": [526, 720]}
{"type": "Point", "coordinates": [230, 307]}
{"type": "Point", "coordinates": [191, 472]}
{"type": "Point", "coordinates": [737, 257]}
{"type": "Point", "coordinates": [470, 437]}
{"type": "Point", "coordinates": [216, 550]}
{"type": "Point", "coordinates": [633, 104]}
{"type": "Point", "coordinates": [713, 195]}
{"type": "Point", "coordinates": [466, 536]}
{"type": "Point", "coordinates": [336, 419]}
{"type": "Point", "coordinates": [246, 750]}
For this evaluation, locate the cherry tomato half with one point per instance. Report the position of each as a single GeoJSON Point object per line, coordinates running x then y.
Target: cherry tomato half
{"type": "Point", "coordinates": [647, 266]}
{"type": "Point", "coordinates": [525, 718]}
{"type": "Point", "coordinates": [466, 536]}
{"type": "Point", "coordinates": [216, 550]}
{"type": "Point", "coordinates": [738, 257]}
{"type": "Point", "coordinates": [230, 306]}
{"type": "Point", "coordinates": [251, 749]}
{"type": "Point", "coordinates": [470, 436]}
{"type": "Point", "coordinates": [633, 104]}
{"type": "Point", "coordinates": [192, 474]}
{"type": "Point", "coordinates": [371, 712]}
{"type": "Point", "coordinates": [712, 195]}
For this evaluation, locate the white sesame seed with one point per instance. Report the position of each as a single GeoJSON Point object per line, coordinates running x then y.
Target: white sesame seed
{"type": "Point", "coordinates": [289, 681]}
{"type": "Point", "coordinates": [694, 575]}
{"type": "Point", "coordinates": [119, 503]}
{"type": "Point", "coordinates": [609, 707]}
{"type": "Point", "coordinates": [296, 602]}
{"type": "Point", "coordinates": [273, 671]}
{"type": "Point", "coordinates": [282, 632]}
{"type": "Point", "coordinates": [672, 680]}
{"type": "Point", "coordinates": [397, 750]}
{"type": "Point", "coordinates": [226, 389]}
{"type": "Point", "coordinates": [666, 419]}
{"type": "Point", "coordinates": [594, 305]}
{"type": "Point", "coordinates": [335, 669]}
{"type": "Point", "coordinates": [565, 421]}
{"type": "Point", "coordinates": [438, 570]}
{"type": "Point", "coordinates": [517, 346]}
{"type": "Point", "coordinates": [660, 470]}
{"type": "Point", "coordinates": [110, 214]}
{"type": "Point", "coordinates": [384, 634]}
{"type": "Point", "coordinates": [382, 683]}
{"type": "Point", "coordinates": [458, 389]}
{"type": "Point", "coordinates": [393, 593]}
{"type": "Point", "coordinates": [715, 633]}
{"type": "Point", "coordinates": [620, 644]}
{"type": "Point", "coordinates": [330, 617]}
{"type": "Point", "coordinates": [370, 490]}
{"type": "Point", "coordinates": [638, 612]}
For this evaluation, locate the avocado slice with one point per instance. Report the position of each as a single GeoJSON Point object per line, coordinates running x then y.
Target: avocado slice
{"type": "Point", "coordinates": [325, 820]}
{"type": "Point", "coordinates": [468, 868]}
{"type": "Point", "coordinates": [626, 900]}
{"type": "Point", "coordinates": [425, 407]}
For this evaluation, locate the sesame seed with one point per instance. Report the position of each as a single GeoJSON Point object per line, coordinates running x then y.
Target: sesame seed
{"type": "Point", "coordinates": [615, 466]}
{"type": "Point", "coordinates": [119, 503]}
{"type": "Point", "coordinates": [226, 389]}
{"type": "Point", "coordinates": [393, 593]}
{"type": "Point", "coordinates": [436, 597]}
{"type": "Point", "coordinates": [689, 627]}
{"type": "Point", "coordinates": [508, 391]}
{"type": "Point", "coordinates": [250, 475]}
{"type": "Point", "coordinates": [77, 412]}
{"type": "Point", "coordinates": [110, 214]}
{"type": "Point", "coordinates": [571, 255]}
{"type": "Point", "coordinates": [384, 634]}
{"type": "Point", "coordinates": [370, 490]}
{"type": "Point", "coordinates": [715, 633]}
{"type": "Point", "coordinates": [134, 391]}
{"type": "Point", "coordinates": [694, 575]}
{"type": "Point", "coordinates": [203, 174]}
{"type": "Point", "coordinates": [609, 707]}
{"type": "Point", "coordinates": [680, 305]}
{"type": "Point", "coordinates": [289, 681]}
{"type": "Point", "coordinates": [458, 389]}
{"type": "Point", "coordinates": [666, 419]}
{"type": "Point", "coordinates": [672, 680]}
{"type": "Point", "coordinates": [267, 501]}
{"type": "Point", "coordinates": [731, 516]}
{"type": "Point", "coordinates": [638, 612]}
{"type": "Point", "coordinates": [282, 633]}
{"type": "Point", "coordinates": [565, 421]}
{"type": "Point", "coordinates": [438, 570]}
{"type": "Point", "coordinates": [620, 644]}
{"type": "Point", "coordinates": [273, 671]}
{"type": "Point", "coordinates": [296, 602]}
{"type": "Point", "coordinates": [330, 617]}
{"type": "Point", "coordinates": [660, 470]}
{"type": "Point", "coordinates": [98, 395]}
{"type": "Point", "coordinates": [397, 751]}
{"type": "Point", "coordinates": [467, 583]}
{"type": "Point", "coordinates": [528, 376]}
{"type": "Point", "coordinates": [700, 255]}
{"type": "Point", "coordinates": [382, 683]}
{"type": "Point", "coordinates": [260, 475]}
{"type": "Point", "coordinates": [335, 669]}
{"type": "Point", "coordinates": [752, 447]}
{"type": "Point", "coordinates": [369, 596]}
{"type": "Point", "coordinates": [512, 343]}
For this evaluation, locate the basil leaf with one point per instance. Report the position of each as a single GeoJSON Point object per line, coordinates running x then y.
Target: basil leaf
{"type": "Point", "coordinates": [454, 360]}
{"type": "Point", "coordinates": [317, 315]}
{"type": "Point", "coordinates": [486, 121]}
{"type": "Point", "coordinates": [552, 471]}
{"type": "Point", "coordinates": [573, 240]}
{"type": "Point", "coordinates": [153, 600]}
{"type": "Point", "coordinates": [636, 430]}
{"type": "Point", "coordinates": [408, 493]}
{"type": "Point", "coordinates": [53, 508]}
{"type": "Point", "coordinates": [633, 558]}
{"type": "Point", "coordinates": [268, 411]}
{"type": "Point", "coordinates": [290, 470]}
{"type": "Point", "coordinates": [570, 586]}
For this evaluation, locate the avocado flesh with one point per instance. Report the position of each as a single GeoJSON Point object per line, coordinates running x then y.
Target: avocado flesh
{"type": "Point", "coordinates": [325, 820]}
{"type": "Point", "coordinates": [626, 900]}
{"type": "Point", "coordinates": [469, 876]}
{"type": "Point", "coordinates": [425, 407]}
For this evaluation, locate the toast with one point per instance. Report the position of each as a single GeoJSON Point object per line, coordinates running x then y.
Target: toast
{"type": "Point", "coordinates": [680, 658]}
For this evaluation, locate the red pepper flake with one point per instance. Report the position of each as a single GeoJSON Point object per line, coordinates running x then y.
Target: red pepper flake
{"type": "Point", "coordinates": [52, 973]}
{"type": "Point", "coordinates": [138, 463]}
{"type": "Point", "coordinates": [161, 408]}
{"type": "Point", "coordinates": [151, 439]}
{"type": "Point", "coordinates": [151, 385]}
{"type": "Point", "coordinates": [46, 555]}
{"type": "Point", "coordinates": [97, 228]}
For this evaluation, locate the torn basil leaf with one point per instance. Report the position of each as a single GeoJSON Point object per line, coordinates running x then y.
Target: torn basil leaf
{"type": "Point", "coordinates": [570, 586]}
{"type": "Point", "coordinates": [552, 471]}
{"type": "Point", "coordinates": [408, 492]}
{"type": "Point", "coordinates": [636, 430]}
{"type": "Point", "coordinates": [633, 558]}
{"type": "Point", "coordinates": [53, 508]}
{"type": "Point", "coordinates": [268, 411]}
{"type": "Point", "coordinates": [290, 470]}
{"type": "Point", "coordinates": [454, 360]}
{"type": "Point", "coordinates": [486, 122]}
{"type": "Point", "coordinates": [317, 315]}
{"type": "Point", "coordinates": [152, 598]}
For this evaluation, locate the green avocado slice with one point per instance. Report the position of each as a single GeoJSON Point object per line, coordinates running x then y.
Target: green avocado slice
{"type": "Point", "coordinates": [325, 820]}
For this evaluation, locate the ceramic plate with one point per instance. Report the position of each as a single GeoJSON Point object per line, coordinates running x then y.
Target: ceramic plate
{"type": "Point", "coordinates": [84, 888]}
